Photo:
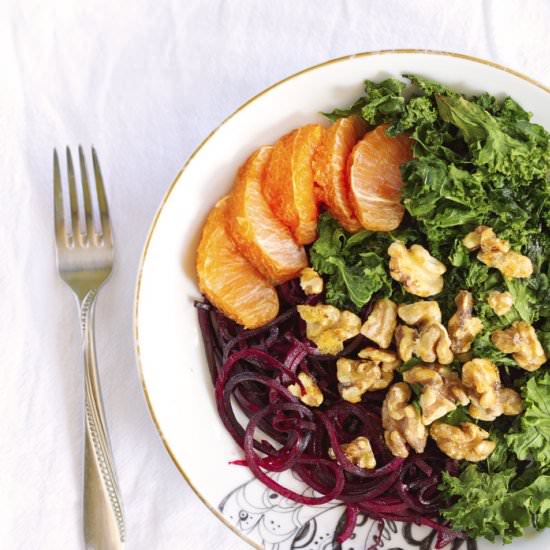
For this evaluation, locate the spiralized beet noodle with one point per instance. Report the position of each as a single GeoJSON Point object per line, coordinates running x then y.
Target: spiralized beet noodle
{"type": "Point", "coordinates": [256, 366]}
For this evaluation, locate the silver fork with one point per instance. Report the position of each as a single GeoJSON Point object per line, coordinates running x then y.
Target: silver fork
{"type": "Point", "coordinates": [85, 260]}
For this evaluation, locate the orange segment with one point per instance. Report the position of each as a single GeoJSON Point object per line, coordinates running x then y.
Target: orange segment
{"type": "Point", "coordinates": [228, 280]}
{"type": "Point", "coordinates": [330, 168]}
{"type": "Point", "coordinates": [260, 237]}
{"type": "Point", "coordinates": [288, 184]}
{"type": "Point", "coordinates": [375, 179]}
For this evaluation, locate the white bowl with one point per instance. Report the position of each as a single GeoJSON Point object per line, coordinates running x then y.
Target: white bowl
{"type": "Point", "coordinates": [169, 351]}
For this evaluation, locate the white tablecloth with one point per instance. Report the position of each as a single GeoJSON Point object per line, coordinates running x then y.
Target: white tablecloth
{"type": "Point", "coordinates": [145, 81]}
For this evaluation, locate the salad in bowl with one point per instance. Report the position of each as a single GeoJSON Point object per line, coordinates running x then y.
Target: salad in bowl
{"type": "Point", "coordinates": [376, 312]}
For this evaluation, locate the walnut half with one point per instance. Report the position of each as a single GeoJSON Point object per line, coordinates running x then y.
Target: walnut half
{"type": "Point", "coordinates": [520, 339]}
{"type": "Point", "coordinates": [464, 442]}
{"type": "Point", "coordinates": [472, 241]}
{"type": "Point", "coordinates": [495, 252]}
{"type": "Point", "coordinates": [421, 313]}
{"type": "Point", "coordinates": [355, 377]}
{"type": "Point", "coordinates": [434, 344]}
{"type": "Point", "coordinates": [463, 326]}
{"type": "Point", "coordinates": [416, 269]}
{"type": "Point", "coordinates": [358, 452]}
{"type": "Point", "coordinates": [401, 422]}
{"type": "Point", "coordinates": [386, 361]}
{"type": "Point", "coordinates": [481, 379]}
{"type": "Point", "coordinates": [374, 373]}
{"type": "Point", "coordinates": [431, 342]}
{"type": "Point", "coordinates": [381, 323]}
{"type": "Point", "coordinates": [442, 390]}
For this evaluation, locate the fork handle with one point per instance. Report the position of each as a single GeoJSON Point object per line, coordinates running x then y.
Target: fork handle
{"type": "Point", "coordinates": [104, 527]}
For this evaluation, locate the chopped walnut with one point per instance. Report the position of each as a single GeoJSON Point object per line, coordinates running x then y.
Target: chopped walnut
{"type": "Point", "coordinates": [406, 339]}
{"type": "Point", "coordinates": [402, 423]}
{"type": "Point", "coordinates": [489, 242]}
{"type": "Point", "coordinates": [358, 452]}
{"type": "Point", "coordinates": [328, 327]}
{"type": "Point", "coordinates": [421, 313]}
{"type": "Point", "coordinates": [467, 442]}
{"type": "Point", "coordinates": [520, 339]}
{"type": "Point", "coordinates": [441, 390]}
{"type": "Point", "coordinates": [312, 395]}
{"type": "Point", "coordinates": [500, 302]}
{"type": "Point", "coordinates": [434, 344]}
{"type": "Point", "coordinates": [510, 264]}
{"type": "Point", "coordinates": [397, 400]}
{"type": "Point", "coordinates": [511, 402]}
{"type": "Point", "coordinates": [463, 326]}
{"type": "Point", "coordinates": [508, 402]}
{"type": "Point", "coordinates": [481, 379]}
{"type": "Point", "coordinates": [472, 241]}
{"type": "Point", "coordinates": [356, 376]}
{"type": "Point", "coordinates": [424, 375]}
{"type": "Point", "coordinates": [418, 271]}
{"type": "Point", "coordinates": [386, 361]}
{"type": "Point", "coordinates": [381, 356]}
{"type": "Point", "coordinates": [495, 252]}
{"type": "Point", "coordinates": [482, 376]}
{"type": "Point", "coordinates": [311, 282]}
{"type": "Point", "coordinates": [431, 344]}
{"type": "Point", "coordinates": [381, 323]}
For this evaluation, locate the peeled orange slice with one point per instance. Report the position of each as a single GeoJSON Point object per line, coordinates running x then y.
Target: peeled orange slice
{"type": "Point", "coordinates": [375, 179]}
{"type": "Point", "coordinates": [288, 184]}
{"type": "Point", "coordinates": [260, 237]}
{"type": "Point", "coordinates": [228, 280]}
{"type": "Point", "coordinates": [330, 168]}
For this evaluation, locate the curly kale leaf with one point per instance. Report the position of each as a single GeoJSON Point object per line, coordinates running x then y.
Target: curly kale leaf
{"type": "Point", "coordinates": [382, 102]}
{"type": "Point", "coordinates": [354, 272]}
{"type": "Point", "coordinates": [530, 438]}
{"type": "Point", "coordinates": [521, 155]}
{"type": "Point", "coordinates": [497, 504]}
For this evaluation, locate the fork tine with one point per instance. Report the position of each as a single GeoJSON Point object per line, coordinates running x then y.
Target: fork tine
{"type": "Point", "coordinates": [86, 193]}
{"type": "Point", "coordinates": [72, 196]}
{"type": "Point", "coordinates": [102, 200]}
{"type": "Point", "coordinates": [59, 214]}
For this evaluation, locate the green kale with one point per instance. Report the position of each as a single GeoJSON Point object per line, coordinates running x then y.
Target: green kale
{"type": "Point", "coordinates": [525, 301]}
{"type": "Point", "coordinates": [456, 417]}
{"type": "Point", "coordinates": [382, 102]}
{"type": "Point", "coordinates": [354, 272]}
{"type": "Point", "coordinates": [408, 365]}
{"type": "Point", "coordinates": [543, 334]}
{"type": "Point", "coordinates": [520, 156]}
{"type": "Point", "coordinates": [354, 109]}
{"type": "Point", "coordinates": [419, 110]}
{"type": "Point", "coordinates": [429, 87]}
{"type": "Point", "coordinates": [500, 459]}
{"type": "Point", "coordinates": [497, 503]}
{"type": "Point", "coordinates": [443, 199]}
{"type": "Point", "coordinates": [530, 437]}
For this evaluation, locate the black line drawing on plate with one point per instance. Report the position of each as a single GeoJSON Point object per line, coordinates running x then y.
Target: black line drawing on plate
{"type": "Point", "coordinates": [279, 523]}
